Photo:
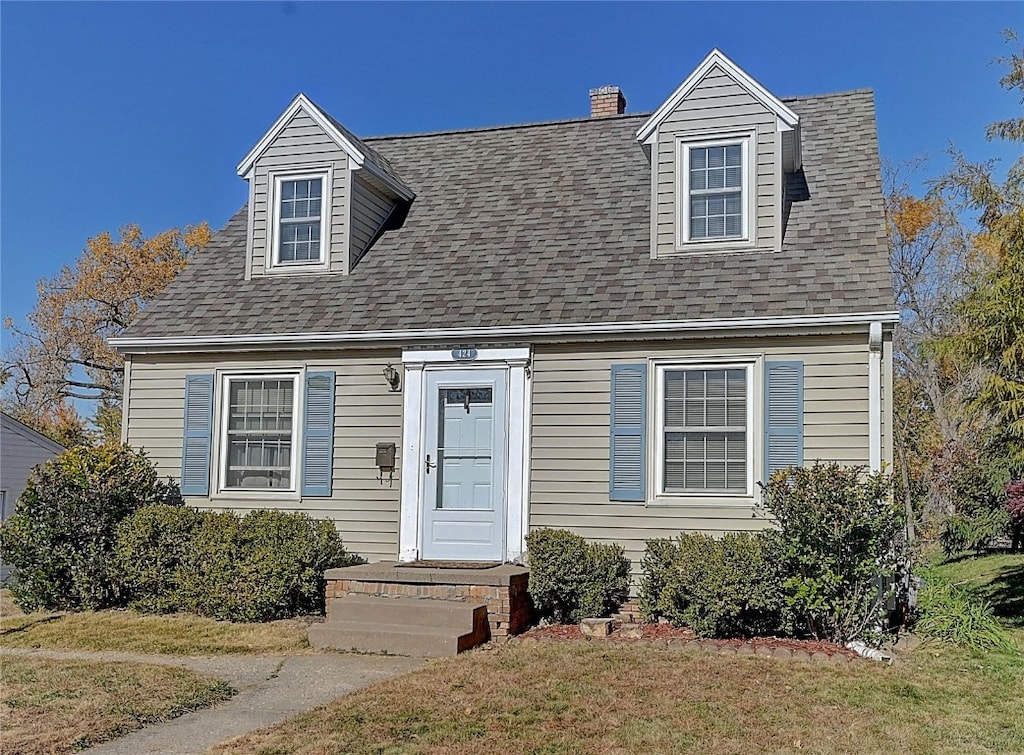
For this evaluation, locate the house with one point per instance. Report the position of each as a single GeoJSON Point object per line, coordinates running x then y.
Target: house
{"type": "Point", "coordinates": [21, 449]}
{"type": "Point", "coordinates": [616, 324]}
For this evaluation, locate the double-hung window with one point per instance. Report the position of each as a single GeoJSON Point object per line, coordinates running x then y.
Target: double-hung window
{"type": "Point", "coordinates": [301, 220]}
{"type": "Point", "coordinates": [260, 432]}
{"type": "Point", "coordinates": [714, 191]}
{"type": "Point", "coordinates": [705, 435]}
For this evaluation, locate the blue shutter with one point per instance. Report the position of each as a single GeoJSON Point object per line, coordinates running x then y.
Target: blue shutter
{"type": "Point", "coordinates": [318, 434]}
{"type": "Point", "coordinates": [784, 416]}
{"type": "Point", "coordinates": [627, 473]}
{"type": "Point", "coordinates": [195, 445]}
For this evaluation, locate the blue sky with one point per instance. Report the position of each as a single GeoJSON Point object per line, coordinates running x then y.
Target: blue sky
{"type": "Point", "coordinates": [138, 112]}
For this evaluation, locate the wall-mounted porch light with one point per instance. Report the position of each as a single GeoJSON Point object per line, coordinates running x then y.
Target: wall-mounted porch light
{"type": "Point", "coordinates": [393, 378]}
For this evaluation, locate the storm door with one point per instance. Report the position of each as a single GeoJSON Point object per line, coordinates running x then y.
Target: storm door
{"type": "Point", "coordinates": [463, 465]}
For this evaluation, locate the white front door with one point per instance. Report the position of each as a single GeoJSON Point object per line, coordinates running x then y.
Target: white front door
{"type": "Point", "coordinates": [463, 467]}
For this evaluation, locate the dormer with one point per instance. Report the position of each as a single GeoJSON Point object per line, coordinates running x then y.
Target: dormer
{"type": "Point", "coordinates": [318, 196]}
{"type": "Point", "coordinates": [720, 147]}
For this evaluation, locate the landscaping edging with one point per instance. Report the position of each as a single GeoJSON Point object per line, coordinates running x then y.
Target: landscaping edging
{"type": "Point", "coordinates": [776, 648]}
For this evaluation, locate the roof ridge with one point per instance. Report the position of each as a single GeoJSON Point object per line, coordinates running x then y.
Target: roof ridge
{"type": "Point", "coordinates": [507, 126]}
{"type": "Point", "coordinates": [584, 119]}
{"type": "Point", "coordinates": [824, 95]}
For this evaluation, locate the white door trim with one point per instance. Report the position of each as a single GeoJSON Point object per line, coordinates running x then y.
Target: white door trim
{"type": "Point", "coordinates": [415, 361]}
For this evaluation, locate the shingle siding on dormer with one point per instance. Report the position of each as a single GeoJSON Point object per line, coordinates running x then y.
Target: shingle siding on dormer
{"type": "Point", "coordinates": [301, 145]}
{"type": "Point", "coordinates": [717, 105]}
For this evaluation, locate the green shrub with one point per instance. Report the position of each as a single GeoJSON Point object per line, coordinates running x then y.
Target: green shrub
{"type": "Point", "coordinates": [971, 532]}
{"type": "Point", "coordinates": [151, 548]}
{"type": "Point", "coordinates": [727, 587]}
{"type": "Point", "coordinates": [949, 613]}
{"type": "Point", "coordinates": [571, 579]}
{"type": "Point", "coordinates": [61, 537]}
{"type": "Point", "coordinates": [839, 535]}
{"type": "Point", "coordinates": [265, 565]}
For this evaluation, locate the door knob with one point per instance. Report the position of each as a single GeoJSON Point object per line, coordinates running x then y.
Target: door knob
{"type": "Point", "coordinates": [429, 465]}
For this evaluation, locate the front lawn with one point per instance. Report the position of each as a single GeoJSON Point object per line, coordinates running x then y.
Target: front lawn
{"type": "Point", "coordinates": [51, 706]}
{"type": "Point", "coordinates": [591, 697]}
{"type": "Point", "coordinates": [130, 632]}
{"type": "Point", "coordinates": [997, 579]}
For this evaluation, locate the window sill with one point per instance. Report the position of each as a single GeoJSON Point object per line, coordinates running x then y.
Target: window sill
{"type": "Point", "coordinates": [703, 500]}
{"type": "Point", "coordinates": [254, 494]}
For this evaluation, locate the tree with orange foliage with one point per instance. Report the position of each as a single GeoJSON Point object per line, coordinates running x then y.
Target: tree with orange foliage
{"type": "Point", "coordinates": [62, 352]}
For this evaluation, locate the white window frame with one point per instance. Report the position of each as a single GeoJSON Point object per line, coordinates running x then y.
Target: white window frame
{"type": "Point", "coordinates": [754, 370]}
{"type": "Point", "coordinates": [224, 379]}
{"type": "Point", "coordinates": [274, 181]}
{"type": "Point", "coordinates": [746, 140]}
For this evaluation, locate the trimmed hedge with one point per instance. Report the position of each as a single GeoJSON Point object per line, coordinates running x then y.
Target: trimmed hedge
{"type": "Point", "coordinates": [728, 587]}
{"type": "Point", "coordinates": [263, 566]}
{"type": "Point", "coordinates": [61, 538]}
{"type": "Point", "coordinates": [571, 579]}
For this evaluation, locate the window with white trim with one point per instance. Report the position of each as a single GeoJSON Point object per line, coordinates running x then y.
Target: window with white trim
{"type": "Point", "coordinates": [259, 432]}
{"type": "Point", "coordinates": [300, 219]}
{"type": "Point", "coordinates": [704, 438]}
{"type": "Point", "coordinates": [713, 196]}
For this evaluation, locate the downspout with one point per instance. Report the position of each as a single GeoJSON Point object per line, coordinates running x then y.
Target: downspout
{"type": "Point", "coordinates": [875, 396]}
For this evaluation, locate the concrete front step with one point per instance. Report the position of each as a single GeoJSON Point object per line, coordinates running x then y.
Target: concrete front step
{"type": "Point", "coordinates": [458, 615]}
{"type": "Point", "coordinates": [401, 626]}
{"type": "Point", "coordinates": [395, 639]}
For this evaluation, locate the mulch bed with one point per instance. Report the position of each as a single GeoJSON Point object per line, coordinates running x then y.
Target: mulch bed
{"type": "Point", "coordinates": [667, 634]}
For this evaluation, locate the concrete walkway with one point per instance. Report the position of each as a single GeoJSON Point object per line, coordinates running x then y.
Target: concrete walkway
{"type": "Point", "coordinates": [270, 689]}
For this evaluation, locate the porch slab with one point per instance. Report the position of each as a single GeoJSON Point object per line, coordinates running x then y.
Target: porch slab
{"type": "Point", "coordinates": [395, 571]}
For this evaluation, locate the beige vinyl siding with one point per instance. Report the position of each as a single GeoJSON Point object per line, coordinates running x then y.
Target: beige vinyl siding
{"type": "Point", "coordinates": [717, 105]}
{"type": "Point", "coordinates": [370, 208]}
{"type": "Point", "coordinates": [301, 145]}
{"type": "Point", "coordinates": [570, 429]}
{"type": "Point", "coordinates": [365, 511]}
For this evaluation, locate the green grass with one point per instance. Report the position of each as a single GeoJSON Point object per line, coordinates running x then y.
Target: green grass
{"type": "Point", "coordinates": [130, 632]}
{"type": "Point", "coordinates": [592, 697]}
{"type": "Point", "coordinates": [997, 579]}
{"type": "Point", "coordinates": [51, 706]}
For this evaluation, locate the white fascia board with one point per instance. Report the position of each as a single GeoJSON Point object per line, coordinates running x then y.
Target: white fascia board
{"type": "Point", "coordinates": [787, 118]}
{"type": "Point", "coordinates": [356, 155]}
{"type": "Point", "coordinates": [572, 330]}
{"type": "Point", "coordinates": [403, 191]}
{"type": "Point", "coordinates": [301, 102]}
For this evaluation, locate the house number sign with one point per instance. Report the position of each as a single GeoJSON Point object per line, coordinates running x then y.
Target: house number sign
{"type": "Point", "coordinates": [463, 355]}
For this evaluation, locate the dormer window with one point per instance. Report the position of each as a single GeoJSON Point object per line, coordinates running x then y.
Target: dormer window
{"type": "Point", "coordinates": [300, 220]}
{"type": "Point", "coordinates": [714, 190]}
{"type": "Point", "coordinates": [301, 212]}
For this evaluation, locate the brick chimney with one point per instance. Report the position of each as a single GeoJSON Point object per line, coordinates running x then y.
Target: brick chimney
{"type": "Point", "coordinates": [607, 100]}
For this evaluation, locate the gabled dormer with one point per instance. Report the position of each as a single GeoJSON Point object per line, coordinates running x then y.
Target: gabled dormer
{"type": "Point", "coordinates": [318, 196]}
{"type": "Point", "coordinates": [720, 149]}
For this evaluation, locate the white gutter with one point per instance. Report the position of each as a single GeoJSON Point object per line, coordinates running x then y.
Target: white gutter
{"type": "Point", "coordinates": [875, 396]}
{"type": "Point", "coordinates": [187, 343]}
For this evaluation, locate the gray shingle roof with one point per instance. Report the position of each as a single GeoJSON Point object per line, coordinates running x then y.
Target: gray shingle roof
{"type": "Point", "coordinates": [549, 224]}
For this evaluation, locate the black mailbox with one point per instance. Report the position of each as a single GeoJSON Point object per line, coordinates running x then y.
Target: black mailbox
{"type": "Point", "coordinates": [386, 457]}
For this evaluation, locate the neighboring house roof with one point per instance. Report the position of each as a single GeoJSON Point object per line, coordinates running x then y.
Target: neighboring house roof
{"type": "Point", "coordinates": [550, 223]}
{"type": "Point", "coordinates": [9, 424]}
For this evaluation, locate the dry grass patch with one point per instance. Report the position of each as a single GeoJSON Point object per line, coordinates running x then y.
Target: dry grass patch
{"type": "Point", "coordinates": [588, 697]}
{"type": "Point", "coordinates": [51, 706]}
{"type": "Point", "coordinates": [130, 632]}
